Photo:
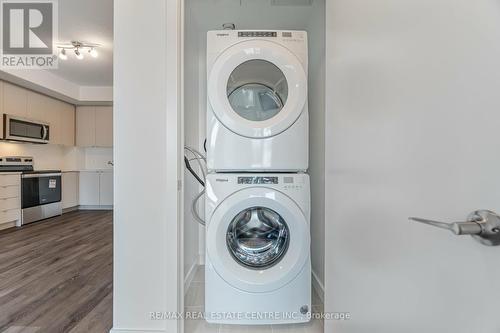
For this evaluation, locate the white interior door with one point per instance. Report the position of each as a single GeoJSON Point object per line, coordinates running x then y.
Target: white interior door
{"type": "Point", "coordinates": [412, 129]}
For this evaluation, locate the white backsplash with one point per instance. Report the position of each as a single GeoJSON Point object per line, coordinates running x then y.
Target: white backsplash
{"type": "Point", "coordinates": [98, 158]}
{"type": "Point", "coordinates": [59, 157]}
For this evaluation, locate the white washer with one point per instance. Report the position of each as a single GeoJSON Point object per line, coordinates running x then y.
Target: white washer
{"type": "Point", "coordinates": [257, 110]}
{"type": "Point", "coordinates": [258, 265]}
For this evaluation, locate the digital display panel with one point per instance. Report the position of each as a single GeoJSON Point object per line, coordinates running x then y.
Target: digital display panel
{"type": "Point", "coordinates": [257, 34]}
{"type": "Point", "coordinates": [258, 180]}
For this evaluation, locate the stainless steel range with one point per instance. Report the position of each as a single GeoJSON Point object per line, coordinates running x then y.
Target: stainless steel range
{"type": "Point", "coordinates": [40, 190]}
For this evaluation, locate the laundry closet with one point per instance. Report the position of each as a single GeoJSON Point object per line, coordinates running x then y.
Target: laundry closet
{"type": "Point", "coordinates": [291, 163]}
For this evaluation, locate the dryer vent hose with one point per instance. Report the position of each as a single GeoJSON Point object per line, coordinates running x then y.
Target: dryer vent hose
{"type": "Point", "coordinates": [202, 164]}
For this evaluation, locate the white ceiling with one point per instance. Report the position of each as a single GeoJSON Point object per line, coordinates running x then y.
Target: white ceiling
{"type": "Point", "coordinates": [88, 21]}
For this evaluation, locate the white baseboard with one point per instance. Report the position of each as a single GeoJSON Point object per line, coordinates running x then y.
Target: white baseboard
{"type": "Point", "coordinates": [70, 209]}
{"type": "Point", "coordinates": [318, 286]}
{"type": "Point", "coordinates": [190, 274]}
{"type": "Point", "coordinates": [118, 330]}
{"type": "Point", "coordinates": [85, 207]}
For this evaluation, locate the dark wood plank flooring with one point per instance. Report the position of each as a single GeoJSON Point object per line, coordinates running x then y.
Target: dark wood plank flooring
{"type": "Point", "coordinates": [57, 275]}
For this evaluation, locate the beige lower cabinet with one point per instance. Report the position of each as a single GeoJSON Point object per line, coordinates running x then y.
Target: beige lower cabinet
{"type": "Point", "coordinates": [10, 200]}
{"type": "Point", "coordinates": [70, 190]}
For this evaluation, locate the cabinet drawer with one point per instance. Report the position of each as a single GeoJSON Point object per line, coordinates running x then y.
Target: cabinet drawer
{"type": "Point", "coordinates": [10, 215]}
{"type": "Point", "coordinates": [10, 203]}
{"type": "Point", "coordinates": [8, 180]}
{"type": "Point", "coordinates": [11, 191]}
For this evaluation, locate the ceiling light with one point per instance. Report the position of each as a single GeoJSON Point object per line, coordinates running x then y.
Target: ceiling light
{"type": "Point", "coordinates": [93, 53]}
{"type": "Point", "coordinates": [63, 55]}
{"type": "Point", "coordinates": [79, 55]}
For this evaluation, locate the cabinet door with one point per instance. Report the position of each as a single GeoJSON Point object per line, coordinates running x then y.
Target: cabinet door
{"type": "Point", "coordinates": [106, 189]}
{"type": "Point", "coordinates": [38, 107]}
{"type": "Point", "coordinates": [15, 100]}
{"type": "Point", "coordinates": [67, 114]}
{"type": "Point", "coordinates": [85, 126]}
{"type": "Point", "coordinates": [104, 126]}
{"type": "Point", "coordinates": [70, 189]}
{"type": "Point", "coordinates": [1, 109]}
{"type": "Point", "coordinates": [89, 188]}
{"type": "Point", "coordinates": [54, 118]}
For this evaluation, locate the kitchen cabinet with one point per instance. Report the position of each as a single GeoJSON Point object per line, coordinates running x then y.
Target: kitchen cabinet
{"type": "Point", "coordinates": [89, 188]}
{"type": "Point", "coordinates": [46, 109]}
{"type": "Point", "coordinates": [70, 189]}
{"type": "Point", "coordinates": [96, 189]}
{"type": "Point", "coordinates": [31, 105]}
{"type": "Point", "coordinates": [15, 100]}
{"type": "Point", "coordinates": [104, 126]}
{"type": "Point", "coordinates": [85, 126]}
{"type": "Point", "coordinates": [67, 124]}
{"type": "Point", "coordinates": [1, 97]}
{"type": "Point", "coordinates": [10, 200]}
{"type": "Point", "coordinates": [94, 126]}
{"type": "Point", "coordinates": [106, 189]}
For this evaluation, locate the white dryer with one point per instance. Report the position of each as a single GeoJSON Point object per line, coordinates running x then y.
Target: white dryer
{"type": "Point", "coordinates": [258, 266]}
{"type": "Point", "coordinates": [257, 110]}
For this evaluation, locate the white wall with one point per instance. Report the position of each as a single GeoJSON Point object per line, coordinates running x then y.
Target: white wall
{"type": "Point", "coordinates": [204, 15]}
{"type": "Point", "coordinates": [147, 259]}
{"type": "Point", "coordinates": [411, 130]}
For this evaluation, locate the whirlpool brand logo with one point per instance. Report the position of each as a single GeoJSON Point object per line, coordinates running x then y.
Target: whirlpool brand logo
{"type": "Point", "coordinates": [28, 34]}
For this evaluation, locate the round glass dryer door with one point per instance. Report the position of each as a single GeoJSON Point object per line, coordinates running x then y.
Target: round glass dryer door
{"type": "Point", "coordinates": [257, 90]}
{"type": "Point", "coordinates": [258, 237]}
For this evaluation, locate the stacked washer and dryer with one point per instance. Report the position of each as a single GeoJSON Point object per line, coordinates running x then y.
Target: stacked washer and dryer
{"type": "Point", "coordinates": [257, 206]}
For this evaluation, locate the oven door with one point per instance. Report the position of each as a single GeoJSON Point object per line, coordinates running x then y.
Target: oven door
{"type": "Point", "coordinates": [40, 189]}
{"type": "Point", "coordinates": [20, 129]}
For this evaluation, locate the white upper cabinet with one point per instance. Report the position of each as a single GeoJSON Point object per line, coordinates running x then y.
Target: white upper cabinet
{"type": "Point", "coordinates": [94, 126]}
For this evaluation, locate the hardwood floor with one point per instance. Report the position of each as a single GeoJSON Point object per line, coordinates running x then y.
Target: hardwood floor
{"type": "Point", "coordinates": [57, 275]}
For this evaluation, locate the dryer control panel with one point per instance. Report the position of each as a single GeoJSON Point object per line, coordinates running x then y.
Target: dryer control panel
{"type": "Point", "coordinates": [258, 180]}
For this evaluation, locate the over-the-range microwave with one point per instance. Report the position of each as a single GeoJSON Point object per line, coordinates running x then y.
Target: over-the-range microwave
{"type": "Point", "coordinates": [21, 129]}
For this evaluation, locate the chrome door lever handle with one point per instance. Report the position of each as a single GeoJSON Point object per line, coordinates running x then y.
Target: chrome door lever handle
{"type": "Point", "coordinates": [482, 225]}
{"type": "Point", "coordinates": [458, 228]}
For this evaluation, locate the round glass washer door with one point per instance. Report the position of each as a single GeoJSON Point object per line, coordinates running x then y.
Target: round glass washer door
{"type": "Point", "coordinates": [251, 253]}
{"type": "Point", "coordinates": [257, 89]}
{"type": "Point", "coordinates": [258, 237]}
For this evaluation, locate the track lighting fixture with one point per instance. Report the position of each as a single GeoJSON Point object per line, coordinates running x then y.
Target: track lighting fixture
{"type": "Point", "coordinates": [79, 55]}
{"type": "Point", "coordinates": [78, 48]}
{"type": "Point", "coordinates": [93, 53]}
{"type": "Point", "coordinates": [63, 55]}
